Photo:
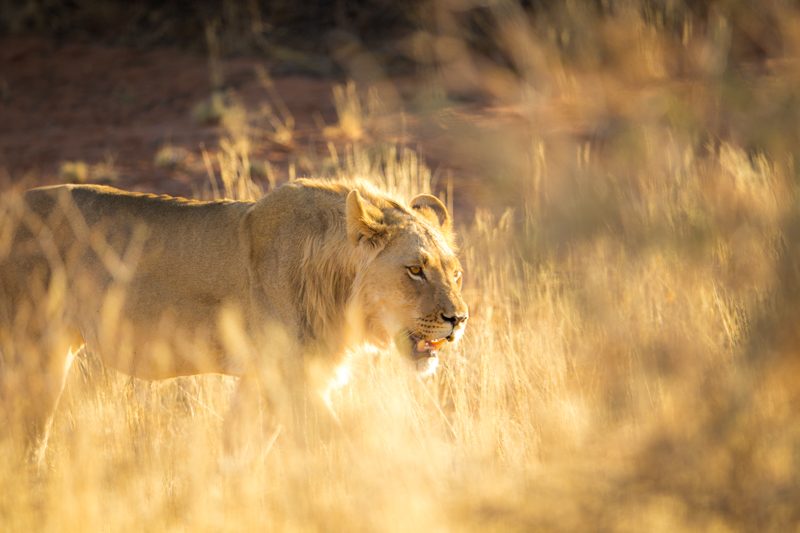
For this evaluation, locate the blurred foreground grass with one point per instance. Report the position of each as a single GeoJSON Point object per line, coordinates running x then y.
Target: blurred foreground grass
{"type": "Point", "coordinates": [632, 358]}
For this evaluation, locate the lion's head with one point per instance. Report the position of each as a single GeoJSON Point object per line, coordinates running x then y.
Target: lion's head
{"type": "Point", "coordinates": [410, 289]}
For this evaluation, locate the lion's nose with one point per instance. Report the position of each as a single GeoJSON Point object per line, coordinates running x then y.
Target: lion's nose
{"type": "Point", "coordinates": [455, 319]}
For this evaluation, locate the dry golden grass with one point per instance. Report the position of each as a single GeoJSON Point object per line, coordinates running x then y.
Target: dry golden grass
{"type": "Point", "coordinates": [631, 360]}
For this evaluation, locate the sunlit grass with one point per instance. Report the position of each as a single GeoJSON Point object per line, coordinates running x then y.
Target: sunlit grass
{"type": "Point", "coordinates": [623, 368]}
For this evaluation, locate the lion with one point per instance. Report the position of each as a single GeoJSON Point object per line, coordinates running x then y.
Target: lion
{"type": "Point", "coordinates": [147, 282]}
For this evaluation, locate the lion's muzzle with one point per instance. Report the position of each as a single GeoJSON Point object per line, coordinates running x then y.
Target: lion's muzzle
{"type": "Point", "coordinates": [455, 321]}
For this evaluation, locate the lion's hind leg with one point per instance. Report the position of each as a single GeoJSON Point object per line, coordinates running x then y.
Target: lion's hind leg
{"type": "Point", "coordinates": [38, 336]}
{"type": "Point", "coordinates": [53, 380]}
{"type": "Point", "coordinates": [31, 382]}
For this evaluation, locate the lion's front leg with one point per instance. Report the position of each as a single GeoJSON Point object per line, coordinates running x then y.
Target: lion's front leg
{"type": "Point", "coordinates": [250, 427]}
{"type": "Point", "coordinates": [279, 406]}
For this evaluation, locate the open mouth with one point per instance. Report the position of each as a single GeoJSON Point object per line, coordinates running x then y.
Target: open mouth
{"type": "Point", "coordinates": [421, 348]}
{"type": "Point", "coordinates": [424, 353]}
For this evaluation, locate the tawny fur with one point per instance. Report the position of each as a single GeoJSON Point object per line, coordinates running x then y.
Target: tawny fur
{"type": "Point", "coordinates": [145, 281]}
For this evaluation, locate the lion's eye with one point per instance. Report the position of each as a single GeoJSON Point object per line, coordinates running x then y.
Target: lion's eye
{"type": "Point", "coordinates": [415, 272]}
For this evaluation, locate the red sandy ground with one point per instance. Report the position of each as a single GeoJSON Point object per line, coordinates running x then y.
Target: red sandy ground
{"type": "Point", "coordinates": [95, 104]}
{"type": "Point", "coordinates": [91, 103]}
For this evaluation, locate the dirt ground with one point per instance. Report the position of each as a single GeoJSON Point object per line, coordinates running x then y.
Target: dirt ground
{"type": "Point", "coordinates": [116, 105]}
{"type": "Point", "coordinates": [113, 109]}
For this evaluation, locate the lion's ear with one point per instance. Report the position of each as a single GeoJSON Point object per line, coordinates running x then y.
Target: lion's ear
{"type": "Point", "coordinates": [364, 220]}
{"type": "Point", "coordinates": [433, 209]}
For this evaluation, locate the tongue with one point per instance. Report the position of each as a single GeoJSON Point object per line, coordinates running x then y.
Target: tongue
{"type": "Point", "coordinates": [429, 346]}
